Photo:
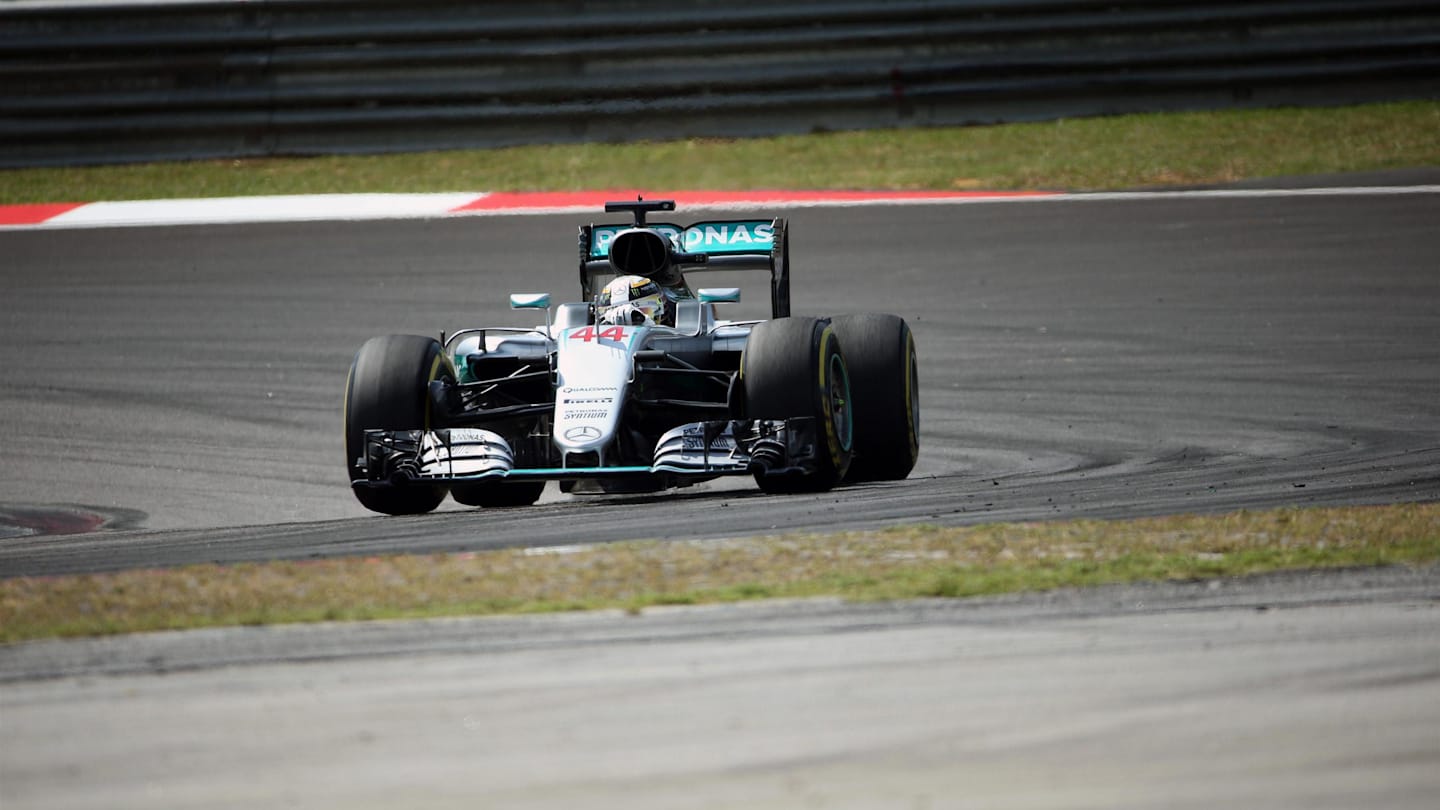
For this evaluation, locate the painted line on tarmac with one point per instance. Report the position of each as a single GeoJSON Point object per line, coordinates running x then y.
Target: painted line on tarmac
{"type": "Point", "coordinates": [356, 207]}
{"type": "Point", "coordinates": [346, 207]}
{"type": "Point", "coordinates": [235, 210]}
{"type": "Point", "coordinates": [559, 202]}
{"type": "Point", "coordinates": [34, 214]}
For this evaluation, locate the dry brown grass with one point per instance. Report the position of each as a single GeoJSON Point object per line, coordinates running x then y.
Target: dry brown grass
{"type": "Point", "coordinates": [901, 563]}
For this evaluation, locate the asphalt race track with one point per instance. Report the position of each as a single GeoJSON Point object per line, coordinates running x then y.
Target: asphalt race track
{"type": "Point", "coordinates": [1101, 358]}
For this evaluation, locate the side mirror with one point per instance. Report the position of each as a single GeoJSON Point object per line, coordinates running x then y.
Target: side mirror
{"type": "Point", "coordinates": [530, 301]}
{"type": "Point", "coordinates": [719, 295]}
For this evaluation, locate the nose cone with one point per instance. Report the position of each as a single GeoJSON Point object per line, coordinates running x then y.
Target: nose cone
{"type": "Point", "coordinates": [594, 365]}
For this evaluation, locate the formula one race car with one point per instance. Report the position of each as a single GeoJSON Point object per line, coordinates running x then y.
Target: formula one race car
{"type": "Point", "coordinates": [638, 387]}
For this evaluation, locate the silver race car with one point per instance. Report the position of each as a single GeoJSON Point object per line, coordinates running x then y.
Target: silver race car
{"type": "Point", "coordinates": [638, 387]}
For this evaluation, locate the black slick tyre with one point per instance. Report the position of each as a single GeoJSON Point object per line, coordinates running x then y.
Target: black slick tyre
{"type": "Point", "coordinates": [388, 389]}
{"type": "Point", "coordinates": [794, 367]}
{"type": "Point", "coordinates": [495, 494]}
{"type": "Point", "coordinates": [885, 395]}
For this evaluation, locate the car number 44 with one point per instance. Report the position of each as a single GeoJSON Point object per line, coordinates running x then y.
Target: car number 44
{"type": "Point", "coordinates": [589, 333]}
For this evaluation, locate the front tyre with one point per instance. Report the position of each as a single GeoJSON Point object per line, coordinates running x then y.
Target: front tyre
{"type": "Point", "coordinates": [794, 367]}
{"type": "Point", "coordinates": [884, 374]}
{"type": "Point", "coordinates": [389, 389]}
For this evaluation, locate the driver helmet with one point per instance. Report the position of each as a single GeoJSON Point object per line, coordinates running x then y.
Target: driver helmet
{"type": "Point", "coordinates": [635, 301]}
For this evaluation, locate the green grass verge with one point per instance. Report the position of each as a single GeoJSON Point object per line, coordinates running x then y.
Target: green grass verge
{"type": "Point", "coordinates": [1077, 154]}
{"type": "Point", "coordinates": [906, 562]}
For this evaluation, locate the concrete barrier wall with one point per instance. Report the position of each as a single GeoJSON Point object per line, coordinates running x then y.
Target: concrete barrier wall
{"type": "Point", "coordinates": [86, 81]}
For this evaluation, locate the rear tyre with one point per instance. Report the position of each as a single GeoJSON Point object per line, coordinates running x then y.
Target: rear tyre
{"type": "Point", "coordinates": [885, 395]}
{"type": "Point", "coordinates": [794, 367]}
{"type": "Point", "coordinates": [389, 389]}
{"type": "Point", "coordinates": [493, 494]}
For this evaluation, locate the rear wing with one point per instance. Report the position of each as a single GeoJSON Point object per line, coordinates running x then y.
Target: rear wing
{"type": "Point", "coordinates": [735, 244]}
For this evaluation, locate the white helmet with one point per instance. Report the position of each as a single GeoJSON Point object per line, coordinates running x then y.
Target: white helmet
{"type": "Point", "coordinates": [634, 301]}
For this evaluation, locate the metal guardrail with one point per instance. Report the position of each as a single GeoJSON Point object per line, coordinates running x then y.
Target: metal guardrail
{"type": "Point", "coordinates": [113, 81]}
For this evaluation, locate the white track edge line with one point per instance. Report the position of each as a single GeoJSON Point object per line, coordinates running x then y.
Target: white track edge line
{"type": "Point", "coordinates": [94, 216]}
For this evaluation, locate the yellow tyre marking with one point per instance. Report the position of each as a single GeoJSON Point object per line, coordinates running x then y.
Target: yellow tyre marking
{"type": "Point", "coordinates": [345, 405]}
{"type": "Point", "coordinates": [910, 363]}
{"type": "Point", "coordinates": [434, 370]}
{"type": "Point", "coordinates": [832, 440]}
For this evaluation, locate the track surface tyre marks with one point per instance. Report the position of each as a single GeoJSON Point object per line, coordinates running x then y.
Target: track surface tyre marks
{"type": "Point", "coordinates": [1187, 355]}
{"type": "Point", "coordinates": [388, 388]}
{"type": "Point", "coordinates": [793, 367]}
{"type": "Point", "coordinates": [884, 395]}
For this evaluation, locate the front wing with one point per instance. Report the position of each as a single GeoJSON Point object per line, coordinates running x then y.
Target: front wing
{"type": "Point", "coordinates": [700, 449]}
